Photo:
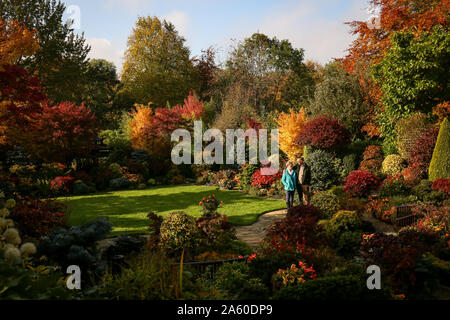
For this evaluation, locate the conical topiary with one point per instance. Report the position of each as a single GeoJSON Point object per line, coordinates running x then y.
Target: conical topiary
{"type": "Point", "coordinates": [440, 164]}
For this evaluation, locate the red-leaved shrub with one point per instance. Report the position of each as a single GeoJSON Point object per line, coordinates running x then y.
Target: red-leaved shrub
{"type": "Point", "coordinates": [264, 181]}
{"type": "Point", "coordinates": [422, 150]}
{"type": "Point", "coordinates": [62, 184]}
{"type": "Point", "coordinates": [360, 183]}
{"type": "Point", "coordinates": [303, 211]}
{"type": "Point", "coordinates": [412, 175]}
{"type": "Point", "coordinates": [441, 184]}
{"type": "Point", "coordinates": [323, 133]}
{"type": "Point", "coordinates": [35, 218]}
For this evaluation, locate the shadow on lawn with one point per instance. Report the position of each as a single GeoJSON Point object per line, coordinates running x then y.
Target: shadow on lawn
{"type": "Point", "coordinates": [118, 206]}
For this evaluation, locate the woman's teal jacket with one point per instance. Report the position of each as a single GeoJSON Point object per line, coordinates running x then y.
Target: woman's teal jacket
{"type": "Point", "coordinates": [289, 180]}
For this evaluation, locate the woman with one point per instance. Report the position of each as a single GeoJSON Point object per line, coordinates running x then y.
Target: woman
{"type": "Point", "coordinates": [289, 180]}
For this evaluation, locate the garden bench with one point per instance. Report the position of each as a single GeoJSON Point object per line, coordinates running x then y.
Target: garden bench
{"type": "Point", "coordinates": [404, 217]}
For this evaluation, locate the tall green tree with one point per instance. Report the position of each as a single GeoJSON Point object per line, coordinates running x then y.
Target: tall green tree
{"type": "Point", "coordinates": [101, 85]}
{"type": "Point", "coordinates": [158, 67]}
{"type": "Point", "coordinates": [272, 70]}
{"type": "Point", "coordinates": [339, 95]}
{"type": "Point", "coordinates": [413, 76]}
{"type": "Point", "coordinates": [61, 60]}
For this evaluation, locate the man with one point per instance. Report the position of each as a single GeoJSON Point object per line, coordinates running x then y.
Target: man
{"type": "Point", "coordinates": [304, 179]}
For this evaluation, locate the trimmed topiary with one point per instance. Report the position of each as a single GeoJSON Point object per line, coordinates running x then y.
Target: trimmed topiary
{"type": "Point", "coordinates": [323, 169]}
{"type": "Point", "coordinates": [392, 165]}
{"type": "Point", "coordinates": [179, 231]}
{"type": "Point", "coordinates": [440, 166]}
{"type": "Point", "coordinates": [326, 202]}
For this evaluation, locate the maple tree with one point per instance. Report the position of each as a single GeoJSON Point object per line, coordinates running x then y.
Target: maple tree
{"type": "Point", "coordinates": [323, 133]}
{"type": "Point", "coordinates": [65, 132]}
{"type": "Point", "coordinates": [16, 41]}
{"type": "Point", "coordinates": [20, 103]}
{"type": "Point", "coordinates": [290, 125]}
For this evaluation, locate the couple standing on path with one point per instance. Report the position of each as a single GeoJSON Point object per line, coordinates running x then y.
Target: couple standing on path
{"type": "Point", "coordinates": [298, 178]}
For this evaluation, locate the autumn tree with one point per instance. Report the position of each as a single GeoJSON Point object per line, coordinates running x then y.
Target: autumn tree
{"type": "Point", "coordinates": [413, 76]}
{"type": "Point", "coordinates": [207, 68]}
{"type": "Point", "coordinates": [16, 42]}
{"type": "Point", "coordinates": [61, 59]}
{"type": "Point", "coordinates": [65, 132]}
{"type": "Point", "coordinates": [157, 66]}
{"type": "Point", "coordinates": [290, 125]}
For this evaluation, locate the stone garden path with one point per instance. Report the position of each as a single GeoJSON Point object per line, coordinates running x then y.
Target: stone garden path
{"type": "Point", "coordinates": [254, 234]}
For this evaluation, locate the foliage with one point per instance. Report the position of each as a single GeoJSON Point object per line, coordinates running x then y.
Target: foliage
{"type": "Point", "coordinates": [324, 174]}
{"type": "Point", "coordinates": [294, 275]}
{"type": "Point", "coordinates": [66, 131]}
{"type": "Point", "coordinates": [245, 174]}
{"type": "Point", "coordinates": [225, 179]}
{"type": "Point", "coordinates": [323, 133]}
{"type": "Point", "coordinates": [326, 202]}
{"type": "Point", "coordinates": [349, 164]}
{"type": "Point", "coordinates": [290, 125]}
{"type": "Point", "coordinates": [20, 105]}
{"type": "Point", "coordinates": [154, 227]}
{"type": "Point", "coordinates": [119, 183]}
{"type": "Point", "coordinates": [61, 60]}
{"type": "Point", "coordinates": [392, 165]}
{"type": "Point", "coordinates": [422, 150]}
{"type": "Point", "coordinates": [35, 218]}
{"type": "Point", "coordinates": [408, 131]}
{"type": "Point", "coordinates": [75, 246]}
{"type": "Point", "coordinates": [398, 256]}
{"type": "Point", "coordinates": [360, 183]}
{"type": "Point", "coordinates": [210, 205]}
{"type": "Point", "coordinates": [148, 276]}
{"type": "Point", "coordinates": [178, 231]}
{"type": "Point", "coordinates": [433, 219]}
{"type": "Point", "coordinates": [215, 232]}
{"type": "Point", "coordinates": [348, 287]}
{"type": "Point", "coordinates": [412, 77]}
{"type": "Point", "coordinates": [271, 70]}
{"type": "Point", "coordinates": [340, 96]}
{"type": "Point", "coordinates": [341, 222]}
{"type": "Point", "coordinates": [439, 165]}
{"type": "Point", "coordinates": [303, 211]}
{"type": "Point", "coordinates": [441, 184]}
{"type": "Point", "coordinates": [16, 42]}
{"type": "Point", "coordinates": [393, 186]}
{"type": "Point", "coordinates": [157, 66]}
{"type": "Point", "coordinates": [62, 185]}
{"type": "Point", "coordinates": [233, 281]}
{"type": "Point", "coordinates": [381, 209]}
{"type": "Point", "coordinates": [412, 175]}
{"type": "Point", "coordinates": [372, 159]}
{"type": "Point", "coordinates": [18, 282]}
{"type": "Point", "coordinates": [264, 181]}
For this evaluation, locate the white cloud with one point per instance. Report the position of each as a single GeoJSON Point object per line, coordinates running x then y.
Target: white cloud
{"type": "Point", "coordinates": [322, 39]}
{"type": "Point", "coordinates": [180, 20]}
{"type": "Point", "coordinates": [104, 49]}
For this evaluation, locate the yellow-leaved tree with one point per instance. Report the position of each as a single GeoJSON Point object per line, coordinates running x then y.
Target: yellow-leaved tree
{"type": "Point", "coordinates": [290, 125]}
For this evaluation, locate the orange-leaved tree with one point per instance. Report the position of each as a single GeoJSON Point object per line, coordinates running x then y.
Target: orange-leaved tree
{"type": "Point", "coordinates": [290, 126]}
{"type": "Point", "coordinates": [16, 41]}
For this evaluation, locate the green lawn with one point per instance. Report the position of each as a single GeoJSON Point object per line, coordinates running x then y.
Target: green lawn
{"type": "Point", "coordinates": [127, 210]}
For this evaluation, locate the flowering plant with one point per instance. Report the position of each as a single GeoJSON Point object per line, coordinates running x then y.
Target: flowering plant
{"type": "Point", "coordinates": [265, 181]}
{"type": "Point", "coordinates": [62, 184]}
{"type": "Point", "coordinates": [210, 204]}
{"type": "Point", "coordinates": [294, 274]}
{"type": "Point", "coordinates": [380, 209]}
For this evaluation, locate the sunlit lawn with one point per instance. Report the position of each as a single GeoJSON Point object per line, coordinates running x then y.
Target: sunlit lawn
{"type": "Point", "coordinates": [127, 210]}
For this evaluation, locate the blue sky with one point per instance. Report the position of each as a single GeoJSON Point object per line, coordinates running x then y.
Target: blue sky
{"type": "Point", "coordinates": [315, 25]}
